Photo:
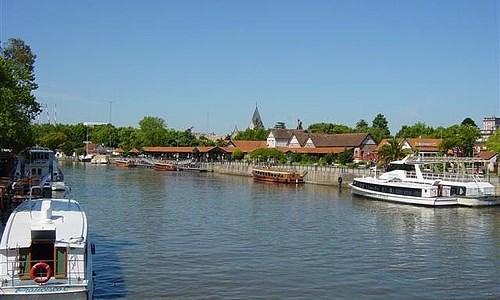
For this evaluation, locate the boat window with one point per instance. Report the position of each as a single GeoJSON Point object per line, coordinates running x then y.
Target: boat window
{"type": "Point", "coordinates": [403, 167]}
{"type": "Point", "coordinates": [24, 263]}
{"type": "Point", "coordinates": [60, 262]}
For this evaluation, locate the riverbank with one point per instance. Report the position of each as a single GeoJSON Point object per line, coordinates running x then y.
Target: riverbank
{"type": "Point", "coordinates": [332, 176]}
{"type": "Point", "coordinates": [322, 175]}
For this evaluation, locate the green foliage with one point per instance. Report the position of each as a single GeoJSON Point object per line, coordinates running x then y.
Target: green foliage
{"type": "Point", "coordinates": [258, 134]}
{"type": "Point", "coordinates": [268, 155]}
{"type": "Point", "coordinates": [105, 135]}
{"type": "Point", "coordinates": [329, 128]}
{"type": "Point", "coordinates": [392, 151]}
{"type": "Point", "coordinates": [361, 125]}
{"type": "Point", "coordinates": [493, 142]}
{"type": "Point", "coordinates": [152, 131]}
{"type": "Point", "coordinates": [17, 103]}
{"type": "Point", "coordinates": [345, 157]}
{"type": "Point", "coordinates": [460, 140]}
{"type": "Point", "coordinates": [303, 159]}
{"type": "Point", "coordinates": [418, 130]}
{"type": "Point", "coordinates": [381, 123]}
{"type": "Point", "coordinates": [53, 140]}
{"type": "Point", "coordinates": [468, 121]}
{"type": "Point", "coordinates": [238, 154]}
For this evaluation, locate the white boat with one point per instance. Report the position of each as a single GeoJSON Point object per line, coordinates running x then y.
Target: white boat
{"type": "Point", "coordinates": [39, 166]}
{"type": "Point", "coordinates": [404, 182]}
{"type": "Point", "coordinates": [99, 160]}
{"type": "Point", "coordinates": [45, 252]}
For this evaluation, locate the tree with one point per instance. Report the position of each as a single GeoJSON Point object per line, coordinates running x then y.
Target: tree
{"type": "Point", "coordinates": [258, 134]}
{"type": "Point", "coordinates": [381, 123]}
{"type": "Point", "coordinates": [17, 103]}
{"type": "Point", "coordinates": [345, 156]}
{"type": "Point", "coordinates": [238, 154]}
{"type": "Point", "coordinates": [152, 131]}
{"type": "Point", "coordinates": [268, 155]}
{"type": "Point", "coordinates": [105, 134]}
{"type": "Point", "coordinates": [460, 139]}
{"type": "Point", "coordinates": [468, 121]}
{"type": "Point", "coordinates": [361, 125]}
{"type": "Point", "coordinates": [329, 128]}
{"type": "Point", "coordinates": [392, 151]}
{"type": "Point", "coordinates": [493, 142]}
{"type": "Point", "coordinates": [418, 130]}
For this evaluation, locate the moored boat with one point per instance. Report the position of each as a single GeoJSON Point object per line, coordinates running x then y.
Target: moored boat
{"type": "Point", "coordinates": [126, 163]}
{"type": "Point", "coordinates": [37, 166]}
{"type": "Point", "coordinates": [164, 166]}
{"type": "Point", "coordinates": [277, 175]}
{"type": "Point", "coordinates": [404, 182]}
{"type": "Point", "coordinates": [45, 252]}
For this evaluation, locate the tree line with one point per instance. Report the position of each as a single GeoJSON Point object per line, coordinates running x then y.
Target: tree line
{"type": "Point", "coordinates": [18, 110]}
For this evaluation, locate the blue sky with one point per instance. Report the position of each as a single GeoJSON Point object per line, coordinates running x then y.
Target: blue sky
{"type": "Point", "coordinates": [207, 63]}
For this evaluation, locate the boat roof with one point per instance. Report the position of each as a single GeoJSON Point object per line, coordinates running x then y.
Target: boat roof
{"type": "Point", "coordinates": [275, 170]}
{"type": "Point", "coordinates": [67, 219]}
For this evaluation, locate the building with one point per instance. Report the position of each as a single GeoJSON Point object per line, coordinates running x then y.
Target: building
{"type": "Point", "coordinates": [256, 120]}
{"type": "Point", "coordinates": [422, 147]}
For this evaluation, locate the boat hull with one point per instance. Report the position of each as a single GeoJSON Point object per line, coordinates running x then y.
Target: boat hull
{"type": "Point", "coordinates": [277, 176]}
{"type": "Point", "coordinates": [45, 292]}
{"type": "Point", "coordinates": [430, 201]}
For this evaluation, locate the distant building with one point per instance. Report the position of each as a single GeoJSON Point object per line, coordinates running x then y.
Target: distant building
{"type": "Point", "coordinates": [256, 120]}
{"type": "Point", "coordinates": [490, 125]}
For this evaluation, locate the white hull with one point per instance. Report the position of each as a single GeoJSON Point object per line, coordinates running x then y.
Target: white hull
{"type": "Point", "coordinates": [45, 252]}
{"type": "Point", "coordinates": [431, 201]}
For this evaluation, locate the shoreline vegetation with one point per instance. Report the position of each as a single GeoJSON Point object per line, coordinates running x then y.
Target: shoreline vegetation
{"type": "Point", "coordinates": [19, 109]}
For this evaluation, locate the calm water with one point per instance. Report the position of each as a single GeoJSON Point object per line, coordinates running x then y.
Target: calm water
{"type": "Point", "coordinates": [207, 236]}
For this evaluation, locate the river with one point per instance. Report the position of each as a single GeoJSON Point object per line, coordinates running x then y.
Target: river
{"type": "Point", "coordinates": [181, 235]}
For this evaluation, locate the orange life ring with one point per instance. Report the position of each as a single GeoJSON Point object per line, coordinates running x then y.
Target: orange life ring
{"type": "Point", "coordinates": [36, 269]}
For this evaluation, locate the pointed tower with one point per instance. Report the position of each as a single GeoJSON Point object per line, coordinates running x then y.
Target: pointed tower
{"type": "Point", "coordinates": [256, 120]}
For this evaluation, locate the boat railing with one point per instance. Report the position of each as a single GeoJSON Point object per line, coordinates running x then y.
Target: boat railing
{"type": "Point", "coordinates": [74, 270]}
{"type": "Point", "coordinates": [454, 177]}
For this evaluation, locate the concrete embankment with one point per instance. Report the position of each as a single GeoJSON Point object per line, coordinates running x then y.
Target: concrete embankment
{"type": "Point", "coordinates": [314, 174]}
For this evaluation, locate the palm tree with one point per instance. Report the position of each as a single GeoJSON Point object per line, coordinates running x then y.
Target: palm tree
{"type": "Point", "coordinates": [392, 151]}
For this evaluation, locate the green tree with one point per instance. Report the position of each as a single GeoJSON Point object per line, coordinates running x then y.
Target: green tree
{"type": "Point", "coordinates": [152, 131]}
{"type": "Point", "coordinates": [361, 125]}
{"type": "Point", "coordinates": [392, 151]}
{"type": "Point", "coordinates": [345, 156]}
{"type": "Point", "coordinates": [105, 134]}
{"type": "Point", "coordinates": [238, 154]}
{"type": "Point", "coordinates": [268, 155]}
{"type": "Point", "coordinates": [460, 139]}
{"type": "Point", "coordinates": [380, 122]}
{"type": "Point", "coordinates": [493, 142]}
{"type": "Point", "coordinates": [468, 121]}
{"type": "Point", "coordinates": [53, 140]}
{"type": "Point", "coordinates": [419, 129]}
{"type": "Point", "coordinates": [18, 106]}
{"type": "Point", "coordinates": [329, 128]}
{"type": "Point", "coordinates": [258, 134]}
{"type": "Point", "coordinates": [128, 138]}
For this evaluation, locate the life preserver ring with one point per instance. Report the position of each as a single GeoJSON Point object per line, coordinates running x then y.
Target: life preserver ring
{"type": "Point", "coordinates": [40, 267]}
{"type": "Point", "coordinates": [339, 180]}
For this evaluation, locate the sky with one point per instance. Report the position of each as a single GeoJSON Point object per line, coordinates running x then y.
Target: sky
{"type": "Point", "coordinates": [207, 64]}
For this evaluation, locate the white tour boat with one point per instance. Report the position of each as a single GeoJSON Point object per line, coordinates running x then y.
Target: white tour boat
{"type": "Point", "coordinates": [405, 182]}
{"type": "Point", "coordinates": [45, 252]}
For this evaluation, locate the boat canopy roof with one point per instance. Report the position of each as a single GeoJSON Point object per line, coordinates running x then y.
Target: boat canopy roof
{"type": "Point", "coordinates": [64, 216]}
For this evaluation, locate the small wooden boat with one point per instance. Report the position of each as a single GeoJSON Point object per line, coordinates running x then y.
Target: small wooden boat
{"type": "Point", "coordinates": [165, 166]}
{"type": "Point", "coordinates": [278, 176]}
{"type": "Point", "coordinates": [125, 163]}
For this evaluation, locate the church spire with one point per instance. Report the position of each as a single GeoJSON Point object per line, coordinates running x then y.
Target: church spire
{"type": "Point", "coordinates": [256, 119]}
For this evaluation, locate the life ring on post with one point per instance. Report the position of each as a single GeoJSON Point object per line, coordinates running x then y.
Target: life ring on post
{"type": "Point", "coordinates": [40, 268]}
{"type": "Point", "coordinates": [339, 180]}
